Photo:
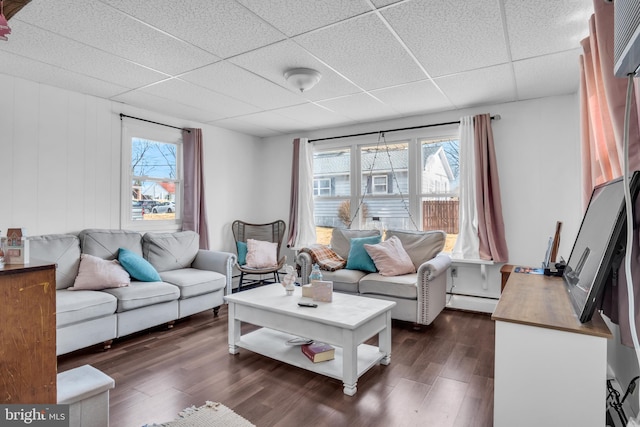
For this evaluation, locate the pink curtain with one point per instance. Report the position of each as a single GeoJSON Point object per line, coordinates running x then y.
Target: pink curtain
{"type": "Point", "coordinates": [493, 245]}
{"type": "Point", "coordinates": [194, 212]}
{"type": "Point", "coordinates": [602, 98]}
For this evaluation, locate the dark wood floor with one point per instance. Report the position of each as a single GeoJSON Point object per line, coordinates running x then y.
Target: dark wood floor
{"type": "Point", "coordinates": [440, 376]}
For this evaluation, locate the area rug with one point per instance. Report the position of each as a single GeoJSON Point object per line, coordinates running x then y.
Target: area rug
{"type": "Point", "coordinates": [212, 414]}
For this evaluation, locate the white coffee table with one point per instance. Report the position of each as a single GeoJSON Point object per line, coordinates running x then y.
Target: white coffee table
{"type": "Point", "coordinates": [345, 323]}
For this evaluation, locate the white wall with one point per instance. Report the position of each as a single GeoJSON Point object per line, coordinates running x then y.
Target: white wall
{"type": "Point", "coordinates": [60, 153]}
{"type": "Point", "coordinates": [537, 149]}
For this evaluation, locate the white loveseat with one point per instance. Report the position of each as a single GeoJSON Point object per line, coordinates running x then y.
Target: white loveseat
{"type": "Point", "coordinates": [419, 296]}
{"type": "Point", "coordinates": [192, 280]}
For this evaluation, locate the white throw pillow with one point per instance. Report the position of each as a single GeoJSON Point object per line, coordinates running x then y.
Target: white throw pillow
{"type": "Point", "coordinates": [390, 257]}
{"type": "Point", "coordinates": [97, 273]}
{"type": "Point", "coordinates": [261, 254]}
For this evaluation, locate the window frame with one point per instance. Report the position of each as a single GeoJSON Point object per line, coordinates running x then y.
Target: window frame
{"type": "Point", "coordinates": [158, 134]}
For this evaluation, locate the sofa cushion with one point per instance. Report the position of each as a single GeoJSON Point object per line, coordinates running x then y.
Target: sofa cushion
{"type": "Point", "coordinates": [358, 258]}
{"type": "Point", "coordinates": [170, 251]}
{"type": "Point", "coordinates": [397, 286]}
{"type": "Point", "coordinates": [193, 282]}
{"type": "Point", "coordinates": [421, 246]}
{"type": "Point", "coordinates": [344, 280]}
{"type": "Point", "coordinates": [106, 243]}
{"type": "Point", "coordinates": [341, 239]}
{"type": "Point", "coordinates": [61, 249]}
{"type": "Point", "coordinates": [137, 267]}
{"type": "Point", "coordinates": [97, 273]}
{"type": "Point", "coordinates": [78, 306]}
{"type": "Point", "coordinates": [142, 294]}
{"type": "Point", "coordinates": [390, 257]}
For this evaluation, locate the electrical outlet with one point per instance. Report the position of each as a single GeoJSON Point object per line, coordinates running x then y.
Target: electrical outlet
{"type": "Point", "coordinates": [454, 271]}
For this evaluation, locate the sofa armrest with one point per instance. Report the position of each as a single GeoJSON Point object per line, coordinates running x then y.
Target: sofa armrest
{"type": "Point", "coordinates": [432, 288]}
{"type": "Point", "coordinates": [303, 259]}
{"type": "Point", "coordinates": [220, 262]}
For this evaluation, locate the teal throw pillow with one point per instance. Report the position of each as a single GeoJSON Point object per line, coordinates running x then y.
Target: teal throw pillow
{"type": "Point", "coordinates": [242, 253]}
{"type": "Point", "coordinates": [358, 258]}
{"type": "Point", "coordinates": [137, 267]}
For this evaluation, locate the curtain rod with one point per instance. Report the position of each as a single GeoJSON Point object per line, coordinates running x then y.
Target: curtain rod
{"type": "Point", "coordinates": [496, 117]}
{"type": "Point", "coordinates": [155, 123]}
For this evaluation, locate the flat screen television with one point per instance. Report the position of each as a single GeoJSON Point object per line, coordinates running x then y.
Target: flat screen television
{"type": "Point", "coordinates": [599, 246]}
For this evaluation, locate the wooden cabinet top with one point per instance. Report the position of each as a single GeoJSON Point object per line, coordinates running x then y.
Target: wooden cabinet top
{"type": "Point", "coordinates": [543, 301]}
{"type": "Point", "coordinates": [21, 268]}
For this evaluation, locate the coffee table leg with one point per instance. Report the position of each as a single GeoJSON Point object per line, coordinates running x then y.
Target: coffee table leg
{"type": "Point", "coordinates": [384, 340]}
{"type": "Point", "coordinates": [234, 329]}
{"type": "Point", "coordinates": [349, 363]}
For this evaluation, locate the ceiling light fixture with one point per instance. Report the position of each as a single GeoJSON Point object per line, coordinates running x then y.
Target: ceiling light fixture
{"type": "Point", "coordinates": [302, 78]}
{"type": "Point", "coordinates": [4, 25]}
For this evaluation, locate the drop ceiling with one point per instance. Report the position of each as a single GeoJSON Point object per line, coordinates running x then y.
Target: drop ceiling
{"type": "Point", "coordinates": [222, 62]}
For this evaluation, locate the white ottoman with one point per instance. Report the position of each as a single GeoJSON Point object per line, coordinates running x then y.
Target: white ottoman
{"type": "Point", "coordinates": [86, 391]}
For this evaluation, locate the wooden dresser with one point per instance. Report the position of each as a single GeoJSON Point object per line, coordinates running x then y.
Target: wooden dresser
{"type": "Point", "coordinates": [550, 369]}
{"type": "Point", "coordinates": [28, 334]}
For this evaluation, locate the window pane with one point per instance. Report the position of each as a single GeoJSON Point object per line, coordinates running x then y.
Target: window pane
{"type": "Point", "coordinates": [153, 159]}
{"type": "Point", "coordinates": [440, 187]}
{"type": "Point", "coordinates": [153, 200]}
{"type": "Point", "coordinates": [385, 169]}
{"type": "Point", "coordinates": [331, 190]}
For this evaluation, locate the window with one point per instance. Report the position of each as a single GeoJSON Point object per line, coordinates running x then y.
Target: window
{"type": "Point", "coordinates": [379, 184]}
{"type": "Point", "coordinates": [406, 185]}
{"type": "Point", "coordinates": [322, 187]}
{"type": "Point", "coordinates": [152, 181]}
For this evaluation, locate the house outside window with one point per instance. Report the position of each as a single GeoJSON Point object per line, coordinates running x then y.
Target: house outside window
{"type": "Point", "coordinates": [152, 178]}
{"type": "Point", "coordinates": [405, 185]}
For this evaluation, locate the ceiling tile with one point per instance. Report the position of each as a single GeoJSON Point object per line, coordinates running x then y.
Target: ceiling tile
{"type": "Point", "coordinates": [239, 125]}
{"type": "Point", "coordinates": [360, 107]}
{"type": "Point", "coordinates": [548, 75]}
{"type": "Point", "coordinates": [295, 17]}
{"type": "Point", "coordinates": [414, 98]}
{"type": "Point", "coordinates": [221, 27]}
{"type": "Point", "coordinates": [272, 61]}
{"type": "Point", "coordinates": [200, 98]}
{"type": "Point", "coordinates": [382, 3]}
{"type": "Point", "coordinates": [44, 46]}
{"type": "Point", "coordinates": [29, 69]}
{"type": "Point", "coordinates": [267, 119]}
{"type": "Point", "coordinates": [451, 36]}
{"type": "Point", "coordinates": [314, 116]}
{"type": "Point", "coordinates": [165, 106]}
{"type": "Point", "coordinates": [233, 81]}
{"type": "Point", "coordinates": [363, 52]}
{"type": "Point", "coordinates": [112, 31]}
{"type": "Point", "coordinates": [546, 26]}
{"type": "Point", "coordinates": [490, 85]}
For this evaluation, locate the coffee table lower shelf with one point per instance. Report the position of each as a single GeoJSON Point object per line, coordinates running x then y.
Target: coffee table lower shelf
{"type": "Point", "coordinates": [273, 344]}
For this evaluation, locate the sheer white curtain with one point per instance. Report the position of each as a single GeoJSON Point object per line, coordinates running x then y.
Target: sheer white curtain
{"type": "Point", "coordinates": [302, 229]}
{"type": "Point", "coordinates": [468, 242]}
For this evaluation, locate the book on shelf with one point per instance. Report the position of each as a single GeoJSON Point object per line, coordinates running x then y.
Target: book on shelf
{"type": "Point", "coordinates": [318, 352]}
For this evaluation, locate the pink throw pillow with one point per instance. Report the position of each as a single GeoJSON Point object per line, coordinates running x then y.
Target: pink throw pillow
{"type": "Point", "coordinates": [97, 273]}
{"type": "Point", "coordinates": [390, 257]}
{"type": "Point", "coordinates": [261, 254]}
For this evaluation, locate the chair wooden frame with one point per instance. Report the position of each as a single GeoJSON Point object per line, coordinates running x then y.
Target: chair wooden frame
{"type": "Point", "coordinates": [269, 232]}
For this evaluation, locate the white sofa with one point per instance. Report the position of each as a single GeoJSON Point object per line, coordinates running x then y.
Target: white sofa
{"type": "Point", "coordinates": [419, 296]}
{"type": "Point", "coordinates": [193, 280]}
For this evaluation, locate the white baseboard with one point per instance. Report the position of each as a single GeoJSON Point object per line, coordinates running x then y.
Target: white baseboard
{"type": "Point", "coordinates": [471, 303]}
